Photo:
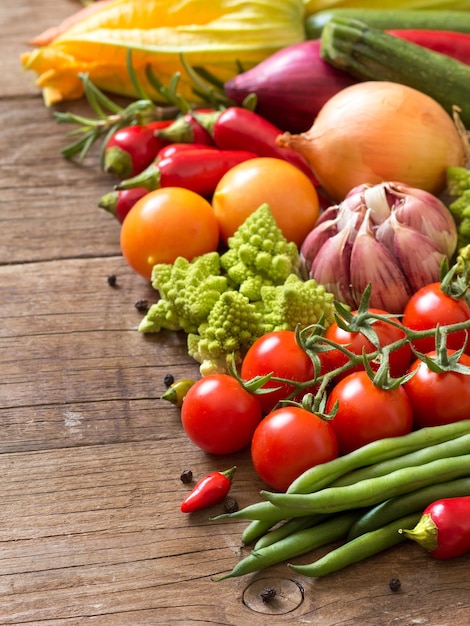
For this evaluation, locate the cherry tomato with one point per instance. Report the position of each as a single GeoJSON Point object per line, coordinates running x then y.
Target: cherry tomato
{"type": "Point", "coordinates": [288, 191]}
{"type": "Point", "coordinates": [167, 223]}
{"type": "Point", "coordinates": [439, 398]}
{"type": "Point", "coordinates": [355, 342]}
{"type": "Point", "coordinates": [430, 306]}
{"type": "Point", "coordinates": [277, 353]}
{"type": "Point", "coordinates": [219, 415]}
{"type": "Point", "coordinates": [289, 441]}
{"type": "Point", "coordinates": [366, 412]}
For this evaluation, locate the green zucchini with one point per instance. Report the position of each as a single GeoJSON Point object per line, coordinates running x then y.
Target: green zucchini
{"type": "Point", "coordinates": [371, 54]}
{"type": "Point", "coordinates": [429, 19]}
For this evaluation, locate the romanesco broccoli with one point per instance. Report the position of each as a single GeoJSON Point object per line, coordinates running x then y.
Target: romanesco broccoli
{"type": "Point", "coordinates": [234, 323]}
{"type": "Point", "coordinates": [296, 302]}
{"type": "Point", "coordinates": [463, 266]}
{"type": "Point", "coordinates": [258, 254]}
{"type": "Point", "coordinates": [224, 302]}
{"type": "Point", "coordinates": [188, 291]}
{"type": "Point", "coordinates": [458, 186]}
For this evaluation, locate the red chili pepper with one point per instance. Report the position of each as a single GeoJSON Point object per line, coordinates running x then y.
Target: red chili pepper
{"type": "Point", "coordinates": [453, 44]}
{"type": "Point", "coordinates": [237, 128]}
{"type": "Point", "coordinates": [187, 129]}
{"type": "Point", "coordinates": [444, 528]}
{"type": "Point", "coordinates": [197, 170]}
{"type": "Point", "coordinates": [119, 203]}
{"type": "Point", "coordinates": [131, 149]}
{"type": "Point", "coordinates": [172, 148]}
{"type": "Point", "coordinates": [208, 491]}
{"type": "Point", "coordinates": [159, 125]}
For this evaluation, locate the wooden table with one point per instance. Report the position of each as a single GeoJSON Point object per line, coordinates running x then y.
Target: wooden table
{"type": "Point", "coordinates": [91, 457]}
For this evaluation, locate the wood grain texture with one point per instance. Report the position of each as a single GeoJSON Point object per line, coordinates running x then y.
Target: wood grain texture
{"type": "Point", "coordinates": [90, 457]}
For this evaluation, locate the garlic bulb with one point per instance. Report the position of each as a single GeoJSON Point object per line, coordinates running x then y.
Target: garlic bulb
{"type": "Point", "coordinates": [390, 235]}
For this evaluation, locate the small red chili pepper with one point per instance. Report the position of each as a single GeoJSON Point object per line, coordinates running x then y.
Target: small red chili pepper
{"type": "Point", "coordinates": [196, 170]}
{"type": "Point", "coordinates": [131, 149]}
{"type": "Point", "coordinates": [208, 491]}
{"type": "Point", "coordinates": [119, 203]}
{"type": "Point", "coordinates": [187, 129]}
{"type": "Point", "coordinates": [237, 128]}
{"type": "Point", "coordinates": [172, 148]}
{"type": "Point", "coordinates": [444, 528]}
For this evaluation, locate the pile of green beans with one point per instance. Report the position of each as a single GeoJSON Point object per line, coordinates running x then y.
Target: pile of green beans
{"type": "Point", "coordinates": [361, 498]}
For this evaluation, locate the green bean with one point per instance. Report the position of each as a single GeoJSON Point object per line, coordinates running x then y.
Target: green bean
{"type": "Point", "coordinates": [258, 512]}
{"type": "Point", "coordinates": [295, 544]}
{"type": "Point", "coordinates": [455, 447]}
{"type": "Point", "coordinates": [371, 491]}
{"type": "Point", "coordinates": [287, 528]}
{"type": "Point", "coordinates": [254, 530]}
{"type": "Point", "coordinates": [359, 548]}
{"type": "Point", "coordinates": [415, 501]}
{"type": "Point", "coordinates": [319, 476]}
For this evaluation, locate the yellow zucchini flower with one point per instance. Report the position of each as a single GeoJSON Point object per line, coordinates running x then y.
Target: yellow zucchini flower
{"type": "Point", "coordinates": [223, 36]}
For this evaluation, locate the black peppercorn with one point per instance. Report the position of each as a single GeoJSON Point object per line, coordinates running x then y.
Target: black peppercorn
{"type": "Point", "coordinates": [186, 476]}
{"type": "Point", "coordinates": [268, 594]}
{"type": "Point", "coordinates": [168, 380]}
{"type": "Point", "coordinates": [395, 585]}
{"type": "Point", "coordinates": [230, 505]}
{"type": "Point", "coordinates": [142, 306]}
{"type": "Point", "coordinates": [112, 280]}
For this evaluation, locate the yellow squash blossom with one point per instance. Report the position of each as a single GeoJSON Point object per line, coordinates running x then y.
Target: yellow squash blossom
{"type": "Point", "coordinates": [222, 36]}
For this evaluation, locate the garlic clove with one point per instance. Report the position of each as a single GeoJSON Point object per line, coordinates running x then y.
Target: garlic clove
{"type": "Point", "coordinates": [314, 241]}
{"type": "Point", "coordinates": [427, 214]}
{"type": "Point", "coordinates": [372, 263]}
{"type": "Point", "coordinates": [330, 267]}
{"type": "Point", "coordinates": [375, 199]}
{"type": "Point", "coordinates": [418, 256]}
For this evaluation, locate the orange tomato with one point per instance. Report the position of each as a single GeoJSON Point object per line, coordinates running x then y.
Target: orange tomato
{"type": "Point", "coordinates": [288, 191]}
{"type": "Point", "coordinates": [165, 224]}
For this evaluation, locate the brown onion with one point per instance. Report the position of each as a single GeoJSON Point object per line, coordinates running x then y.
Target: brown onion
{"type": "Point", "coordinates": [377, 131]}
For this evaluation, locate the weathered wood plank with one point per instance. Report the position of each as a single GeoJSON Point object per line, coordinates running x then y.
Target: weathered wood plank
{"type": "Point", "coordinates": [90, 457]}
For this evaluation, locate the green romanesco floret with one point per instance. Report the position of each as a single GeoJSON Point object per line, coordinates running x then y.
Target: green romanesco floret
{"type": "Point", "coordinates": [458, 180]}
{"type": "Point", "coordinates": [458, 186]}
{"type": "Point", "coordinates": [234, 323]}
{"type": "Point", "coordinates": [188, 290]}
{"type": "Point", "coordinates": [463, 265]}
{"type": "Point", "coordinates": [259, 254]}
{"type": "Point", "coordinates": [294, 303]}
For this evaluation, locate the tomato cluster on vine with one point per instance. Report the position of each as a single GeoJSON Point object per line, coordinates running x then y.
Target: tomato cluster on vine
{"type": "Point", "coordinates": [302, 398]}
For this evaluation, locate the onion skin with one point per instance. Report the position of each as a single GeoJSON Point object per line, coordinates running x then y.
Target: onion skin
{"type": "Point", "coordinates": [291, 85]}
{"type": "Point", "coordinates": [376, 131]}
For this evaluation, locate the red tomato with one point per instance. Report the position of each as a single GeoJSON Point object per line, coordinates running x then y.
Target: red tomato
{"type": "Point", "coordinates": [439, 398]}
{"type": "Point", "coordinates": [367, 413]}
{"type": "Point", "coordinates": [219, 415]}
{"type": "Point", "coordinates": [430, 306]}
{"type": "Point", "coordinates": [356, 342]}
{"type": "Point", "coordinates": [165, 224]}
{"type": "Point", "coordinates": [289, 441]}
{"type": "Point", "coordinates": [280, 354]}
